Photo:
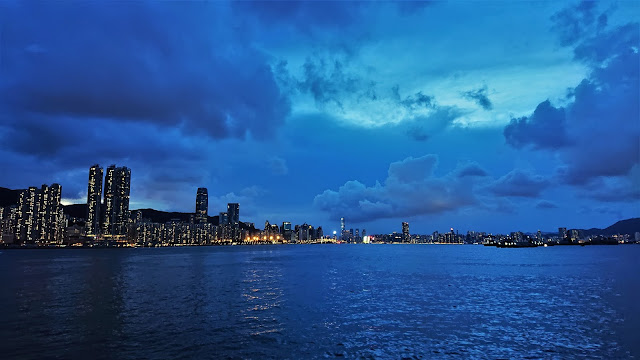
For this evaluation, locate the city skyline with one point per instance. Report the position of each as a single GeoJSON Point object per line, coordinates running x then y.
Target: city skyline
{"type": "Point", "coordinates": [380, 113]}
{"type": "Point", "coordinates": [38, 219]}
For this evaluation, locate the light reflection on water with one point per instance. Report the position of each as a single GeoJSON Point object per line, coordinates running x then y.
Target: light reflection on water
{"type": "Point", "coordinates": [321, 302]}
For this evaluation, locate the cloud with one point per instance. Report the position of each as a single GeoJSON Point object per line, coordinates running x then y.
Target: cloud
{"type": "Point", "coordinates": [480, 97]}
{"type": "Point", "coordinates": [413, 102]}
{"type": "Point", "coordinates": [545, 204]}
{"type": "Point", "coordinates": [246, 198]}
{"type": "Point", "coordinates": [574, 22]}
{"type": "Point", "coordinates": [345, 89]}
{"type": "Point", "coordinates": [597, 133]}
{"type": "Point", "coordinates": [519, 183]}
{"type": "Point", "coordinates": [328, 82]}
{"type": "Point", "coordinates": [278, 166]}
{"type": "Point", "coordinates": [410, 189]}
{"type": "Point", "coordinates": [471, 170]}
{"type": "Point", "coordinates": [129, 62]}
{"type": "Point", "coordinates": [614, 189]}
{"type": "Point", "coordinates": [544, 129]}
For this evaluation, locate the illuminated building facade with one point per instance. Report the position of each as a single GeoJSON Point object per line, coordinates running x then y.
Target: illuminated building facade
{"type": "Point", "coordinates": [233, 210]}
{"type": "Point", "coordinates": [39, 215]}
{"type": "Point", "coordinates": [223, 218]}
{"type": "Point", "coordinates": [94, 197]}
{"type": "Point", "coordinates": [202, 206]}
{"type": "Point", "coordinates": [117, 186]}
{"type": "Point", "coordinates": [405, 232]}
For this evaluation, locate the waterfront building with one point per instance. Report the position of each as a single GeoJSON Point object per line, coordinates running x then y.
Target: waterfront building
{"type": "Point", "coordinates": [50, 215]}
{"type": "Point", "coordinates": [117, 186]}
{"type": "Point", "coordinates": [202, 206]}
{"type": "Point", "coordinates": [562, 233]}
{"type": "Point", "coordinates": [39, 218]}
{"type": "Point", "coordinates": [405, 232]}
{"type": "Point", "coordinates": [223, 218]}
{"type": "Point", "coordinates": [233, 210]}
{"type": "Point", "coordinates": [94, 196]}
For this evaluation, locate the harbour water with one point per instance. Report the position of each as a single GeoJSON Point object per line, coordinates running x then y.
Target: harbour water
{"type": "Point", "coordinates": [321, 301]}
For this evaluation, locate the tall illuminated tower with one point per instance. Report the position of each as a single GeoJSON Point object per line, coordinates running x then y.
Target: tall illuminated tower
{"type": "Point", "coordinates": [117, 186]}
{"type": "Point", "coordinates": [39, 215]}
{"type": "Point", "coordinates": [94, 195]}
{"type": "Point", "coordinates": [405, 232]}
{"type": "Point", "coordinates": [233, 211]}
{"type": "Point", "coordinates": [202, 206]}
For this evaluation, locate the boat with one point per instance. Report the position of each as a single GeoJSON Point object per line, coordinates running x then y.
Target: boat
{"type": "Point", "coordinates": [516, 245]}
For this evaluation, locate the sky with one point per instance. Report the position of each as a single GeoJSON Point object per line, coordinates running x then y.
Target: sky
{"type": "Point", "coordinates": [487, 115]}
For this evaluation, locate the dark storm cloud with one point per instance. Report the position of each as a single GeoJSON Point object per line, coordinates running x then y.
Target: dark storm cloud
{"type": "Point", "coordinates": [519, 183]}
{"type": "Point", "coordinates": [544, 129]}
{"type": "Point", "coordinates": [480, 97]}
{"type": "Point", "coordinates": [598, 133]}
{"type": "Point", "coordinates": [70, 145]}
{"type": "Point", "coordinates": [411, 188]}
{"type": "Point", "coordinates": [132, 62]}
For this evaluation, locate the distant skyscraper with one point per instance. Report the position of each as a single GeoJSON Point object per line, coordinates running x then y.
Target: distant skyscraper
{"type": "Point", "coordinates": [286, 230]}
{"type": "Point", "coordinates": [39, 215]}
{"type": "Point", "coordinates": [405, 232]}
{"type": "Point", "coordinates": [50, 216]}
{"type": "Point", "coordinates": [27, 215]}
{"type": "Point", "coordinates": [117, 186]}
{"type": "Point", "coordinates": [202, 206]}
{"type": "Point", "coordinates": [562, 233]}
{"type": "Point", "coordinates": [223, 218]}
{"type": "Point", "coordinates": [342, 228]}
{"type": "Point", "coordinates": [94, 196]}
{"type": "Point", "coordinates": [233, 209]}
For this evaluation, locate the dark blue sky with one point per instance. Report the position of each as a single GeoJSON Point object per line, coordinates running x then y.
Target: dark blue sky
{"type": "Point", "coordinates": [493, 116]}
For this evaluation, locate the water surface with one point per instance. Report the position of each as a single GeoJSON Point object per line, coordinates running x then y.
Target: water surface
{"type": "Point", "coordinates": [321, 301]}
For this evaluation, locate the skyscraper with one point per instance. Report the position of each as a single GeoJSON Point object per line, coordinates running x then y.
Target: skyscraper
{"type": "Point", "coordinates": [27, 215]}
{"type": "Point", "coordinates": [562, 233]}
{"type": "Point", "coordinates": [50, 216]}
{"type": "Point", "coordinates": [117, 185]}
{"type": "Point", "coordinates": [202, 206]}
{"type": "Point", "coordinates": [223, 218]}
{"type": "Point", "coordinates": [39, 215]}
{"type": "Point", "coordinates": [405, 232]}
{"type": "Point", "coordinates": [233, 210]}
{"type": "Point", "coordinates": [94, 196]}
